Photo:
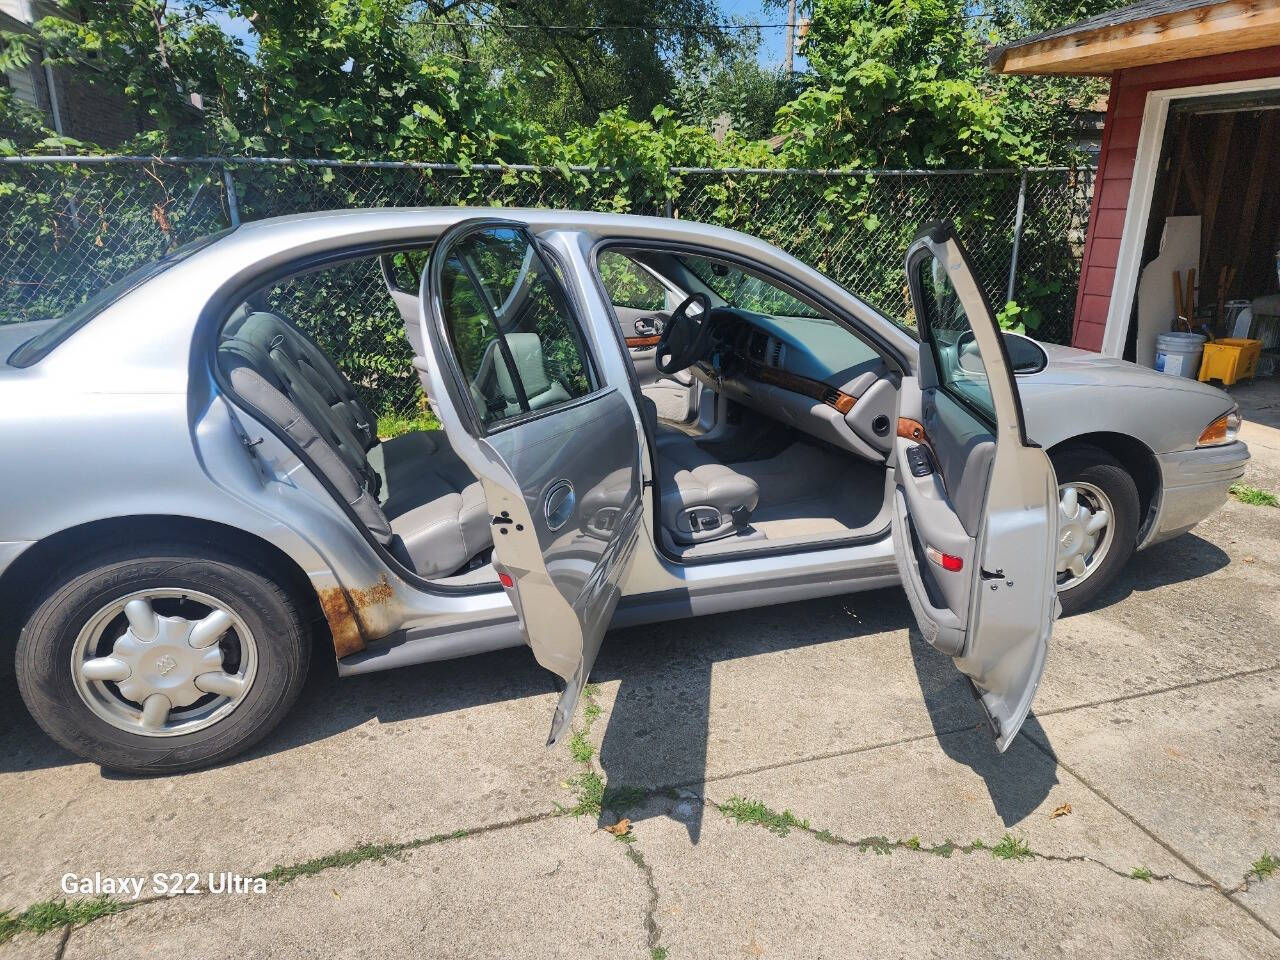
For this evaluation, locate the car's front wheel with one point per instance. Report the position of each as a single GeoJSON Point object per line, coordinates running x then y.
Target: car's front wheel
{"type": "Point", "coordinates": [162, 657]}
{"type": "Point", "coordinates": [1098, 513]}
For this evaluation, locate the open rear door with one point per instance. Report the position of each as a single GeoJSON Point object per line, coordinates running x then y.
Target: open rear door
{"type": "Point", "coordinates": [556, 450]}
{"type": "Point", "coordinates": [976, 508]}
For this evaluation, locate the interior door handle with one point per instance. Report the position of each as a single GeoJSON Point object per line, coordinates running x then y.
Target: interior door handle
{"type": "Point", "coordinates": [649, 326]}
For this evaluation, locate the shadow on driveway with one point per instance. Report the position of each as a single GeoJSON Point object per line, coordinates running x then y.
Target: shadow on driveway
{"type": "Point", "coordinates": [657, 732]}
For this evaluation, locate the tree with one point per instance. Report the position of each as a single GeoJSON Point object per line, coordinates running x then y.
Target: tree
{"type": "Point", "coordinates": [898, 83]}
{"type": "Point", "coordinates": [732, 85]}
{"type": "Point", "coordinates": [573, 60]}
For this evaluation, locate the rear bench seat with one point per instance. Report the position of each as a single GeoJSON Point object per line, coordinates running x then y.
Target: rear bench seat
{"type": "Point", "coordinates": [413, 493]}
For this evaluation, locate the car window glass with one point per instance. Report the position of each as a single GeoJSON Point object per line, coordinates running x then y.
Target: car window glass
{"type": "Point", "coordinates": [407, 267]}
{"type": "Point", "coordinates": [630, 285]}
{"type": "Point", "coordinates": [517, 343]}
{"type": "Point", "coordinates": [745, 291]}
{"type": "Point", "coordinates": [38, 347]}
{"type": "Point", "coordinates": [959, 361]}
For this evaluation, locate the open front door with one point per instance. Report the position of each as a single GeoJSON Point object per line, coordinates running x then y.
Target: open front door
{"type": "Point", "coordinates": [555, 449]}
{"type": "Point", "coordinates": [976, 507]}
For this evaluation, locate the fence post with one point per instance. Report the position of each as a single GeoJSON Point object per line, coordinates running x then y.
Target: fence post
{"type": "Point", "coordinates": [233, 205]}
{"type": "Point", "coordinates": [1017, 234]}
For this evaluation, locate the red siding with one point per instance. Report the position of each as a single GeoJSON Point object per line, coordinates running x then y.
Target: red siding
{"type": "Point", "coordinates": [1129, 89]}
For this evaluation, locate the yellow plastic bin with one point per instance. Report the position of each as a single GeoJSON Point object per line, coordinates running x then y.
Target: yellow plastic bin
{"type": "Point", "coordinates": [1230, 359]}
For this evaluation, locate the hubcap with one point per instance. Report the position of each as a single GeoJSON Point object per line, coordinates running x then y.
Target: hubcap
{"type": "Point", "coordinates": [164, 662]}
{"type": "Point", "coordinates": [1084, 532]}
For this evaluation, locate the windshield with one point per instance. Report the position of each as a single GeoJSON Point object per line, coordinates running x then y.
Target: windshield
{"type": "Point", "coordinates": [39, 346]}
{"type": "Point", "coordinates": [745, 291]}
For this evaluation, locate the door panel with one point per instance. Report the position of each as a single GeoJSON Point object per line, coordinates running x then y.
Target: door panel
{"type": "Point", "coordinates": [975, 518]}
{"type": "Point", "coordinates": [555, 450]}
{"type": "Point", "coordinates": [642, 306]}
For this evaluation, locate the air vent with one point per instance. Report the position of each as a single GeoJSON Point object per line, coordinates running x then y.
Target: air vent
{"type": "Point", "coordinates": [775, 353]}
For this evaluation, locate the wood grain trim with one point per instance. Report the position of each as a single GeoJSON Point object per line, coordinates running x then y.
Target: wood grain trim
{"type": "Point", "coordinates": [842, 402]}
{"type": "Point", "coordinates": [912, 430]}
{"type": "Point", "coordinates": [636, 343]}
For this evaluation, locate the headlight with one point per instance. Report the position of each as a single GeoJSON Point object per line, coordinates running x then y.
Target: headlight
{"type": "Point", "coordinates": [1223, 430]}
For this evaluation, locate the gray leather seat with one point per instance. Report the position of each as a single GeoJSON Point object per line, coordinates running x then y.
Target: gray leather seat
{"type": "Point", "coordinates": [413, 493]}
{"type": "Point", "coordinates": [702, 498]}
{"type": "Point", "coordinates": [493, 380]}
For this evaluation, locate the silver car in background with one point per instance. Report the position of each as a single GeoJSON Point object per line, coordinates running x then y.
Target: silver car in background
{"type": "Point", "coordinates": [640, 419]}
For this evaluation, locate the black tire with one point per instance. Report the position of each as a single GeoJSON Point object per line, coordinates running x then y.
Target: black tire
{"type": "Point", "coordinates": [1089, 464]}
{"type": "Point", "coordinates": [46, 642]}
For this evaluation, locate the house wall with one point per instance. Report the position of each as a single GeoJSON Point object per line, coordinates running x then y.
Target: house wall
{"type": "Point", "coordinates": [1129, 89]}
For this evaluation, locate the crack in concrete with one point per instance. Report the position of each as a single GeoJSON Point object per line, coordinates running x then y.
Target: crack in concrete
{"type": "Point", "coordinates": [653, 932]}
{"type": "Point", "coordinates": [1229, 894]}
{"type": "Point", "coordinates": [882, 845]}
{"type": "Point", "coordinates": [937, 734]}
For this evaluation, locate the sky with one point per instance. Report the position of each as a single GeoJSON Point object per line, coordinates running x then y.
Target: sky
{"type": "Point", "coordinates": [773, 45]}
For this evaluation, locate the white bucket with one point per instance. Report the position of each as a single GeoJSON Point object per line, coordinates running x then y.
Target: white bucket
{"type": "Point", "coordinates": [1178, 354]}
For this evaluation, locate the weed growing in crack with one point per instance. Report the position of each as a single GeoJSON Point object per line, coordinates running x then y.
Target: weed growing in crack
{"type": "Point", "coordinates": [1142, 873]}
{"type": "Point", "coordinates": [52, 914]}
{"type": "Point", "coordinates": [1264, 867]}
{"type": "Point", "coordinates": [590, 705]}
{"type": "Point", "coordinates": [753, 811]}
{"type": "Point", "coordinates": [579, 748]}
{"type": "Point", "coordinates": [658, 953]}
{"type": "Point", "coordinates": [1253, 496]}
{"type": "Point", "coordinates": [1011, 848]}
{"type": "Point", "coordinates": [877, 845]}
{"type": "Point", "coordinates": [590, 791]}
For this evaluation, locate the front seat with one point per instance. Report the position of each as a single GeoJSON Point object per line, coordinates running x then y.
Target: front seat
{"type": "Point", "coordinates": [702, 498]}
{"type": "Point", "coordinates": [540, 390]}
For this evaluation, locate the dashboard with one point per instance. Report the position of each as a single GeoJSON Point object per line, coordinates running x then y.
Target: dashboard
{"type": "Point", "coordinates": [807, 372]}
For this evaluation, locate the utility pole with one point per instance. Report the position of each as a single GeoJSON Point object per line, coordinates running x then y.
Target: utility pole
{"type": "Point", "coordinates": [791, 36]}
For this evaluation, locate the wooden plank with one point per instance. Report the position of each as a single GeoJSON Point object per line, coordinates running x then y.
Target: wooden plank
{"type": "Point", "coordinates": [1253, 192]}
{"type": "Point", "coordinates": [1205, 31]}
{"type": "Point", "coordinates": [1213, 186]}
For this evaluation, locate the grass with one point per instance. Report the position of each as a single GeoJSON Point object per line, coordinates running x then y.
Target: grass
{"type": "Point", "coordinates": [753, 811]}
{"type": "Point", "coordinates": [1254, 496]}
{"type": "Point", "coordinates": [1265, 866]}
{"type": "Point", "coordinates": [590, 790]}
{"type": "Point", "coordinates": [395, 424]}
{"type": "Point", "coordinates": [1142, 873]}
{"type": "Point", "coordinates": [362, 853]}
{"type": "Point", "coordinates": [579, 748]}
{"type": "Point", "coordinates": [658, 953]}
{"type": "Point", "coordinates": [52, 914]}
{"type": "Point", "coordinates": [1011, 848]}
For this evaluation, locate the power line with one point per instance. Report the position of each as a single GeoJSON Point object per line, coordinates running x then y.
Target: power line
{"type": "Point", "coordinates": [600, 28]}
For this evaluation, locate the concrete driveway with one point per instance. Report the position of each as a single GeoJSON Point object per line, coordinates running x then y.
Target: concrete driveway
{"type": "Point", "coordinates": [807, 780]}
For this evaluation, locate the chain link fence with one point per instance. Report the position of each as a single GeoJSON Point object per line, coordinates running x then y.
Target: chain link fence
{"type": "Point", "coordinates": [73, 225]}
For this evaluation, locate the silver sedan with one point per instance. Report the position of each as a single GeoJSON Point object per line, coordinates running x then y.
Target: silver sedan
{"type": "Point", "coordinates": [638, 419]}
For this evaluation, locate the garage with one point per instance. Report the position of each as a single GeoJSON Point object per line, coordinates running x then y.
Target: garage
{"type": "Point", "coordinates": [1181, 265]}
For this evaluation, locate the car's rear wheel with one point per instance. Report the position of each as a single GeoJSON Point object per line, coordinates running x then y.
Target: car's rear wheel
{"type": "Point", "coordinates": [162, 657]}
{"type": "Point", "coordinates": [1098, 512]}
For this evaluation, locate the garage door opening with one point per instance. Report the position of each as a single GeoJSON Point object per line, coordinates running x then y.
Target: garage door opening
{"type": "Point", "coordinates": [1211, 251]}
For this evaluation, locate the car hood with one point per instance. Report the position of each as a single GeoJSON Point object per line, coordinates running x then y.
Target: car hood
{"type": "Point", "coordinates": [1067, 365]}
{"type": "Point", "coordinates": [14, 335]}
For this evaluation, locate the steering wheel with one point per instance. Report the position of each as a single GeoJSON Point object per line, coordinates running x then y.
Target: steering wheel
{"type": "Point", "coordinates": [682, 343]}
